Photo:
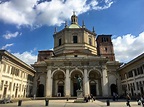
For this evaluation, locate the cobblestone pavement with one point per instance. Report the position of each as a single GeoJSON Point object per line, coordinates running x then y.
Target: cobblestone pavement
{"type": "Point", "coordinates": [64, 103]}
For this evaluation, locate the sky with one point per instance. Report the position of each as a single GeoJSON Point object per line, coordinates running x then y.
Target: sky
{"type": "Point", "coordinates": [27, 26]}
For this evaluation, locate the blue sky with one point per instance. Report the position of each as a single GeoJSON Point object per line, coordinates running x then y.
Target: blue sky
{"type": "Point", "coordinates": [27, 26]}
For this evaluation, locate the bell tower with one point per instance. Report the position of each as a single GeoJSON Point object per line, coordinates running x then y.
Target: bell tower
{"type": "Point", "coordinates": [105, 47]}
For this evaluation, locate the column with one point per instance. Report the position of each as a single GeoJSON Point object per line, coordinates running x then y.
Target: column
{"type": "Point", "coordinates": [86, 83]}
{"type": "Point", "coordinates": [105, 81]}
{"type": "Point", "coordinates": [67, 84]}
{"type": "Point", "coordinates": [49, 84]}
{"type": "Point", "coordinates": [34, 85]}
{"type": "Point", "coordinates": [1, 70]}
{"type": "Point", "coordinates": [97, 87]}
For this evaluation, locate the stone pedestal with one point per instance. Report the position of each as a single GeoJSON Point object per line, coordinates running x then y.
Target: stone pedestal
{"type": "Point", "coordinates": [80, 98]}
{"type": "Point", "coordinates": [79, 94]}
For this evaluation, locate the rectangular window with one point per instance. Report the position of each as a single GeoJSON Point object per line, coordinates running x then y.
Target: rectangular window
{"type": "Point", "coordinates": [130, 74]}
{"type": "Point", "coordinates": [8, 69]}
{"type": "Point", "coordinates": [90, 41]}
{"type": "Point", "coordinates": [137, 85]}
{"type": "Point", "coordinates": [59, 41]}
{"type": "Point", "coordinates": [141, 70]}
{"type": "Point", "coordinates": [135, 72]}
{"type": "Point", "coordinates": [20, 87]}
{"type": "Point", "coordinates": [104, 39]}
{"type": "Point", "coordinates": [4, 68]}
{"type": "Point", "coordinates": [133, 86]}
{"type": "Point", "coordinates": [1, 87]}
{"type": "Point", "coordinates": [14, 87]}
{"type": "Point", "coordinates": [138, 71]}
{"type": "Point", "coordinates": [10, 85]}
{"type": "Point", "coordinates": [75, 39]}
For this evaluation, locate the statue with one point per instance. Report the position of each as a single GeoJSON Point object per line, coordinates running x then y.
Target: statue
{"type": "Point", "coordinates": [79, 82]}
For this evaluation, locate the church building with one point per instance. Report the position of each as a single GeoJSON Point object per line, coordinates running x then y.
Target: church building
{"type": "Point", "coordinates": [77, 52]}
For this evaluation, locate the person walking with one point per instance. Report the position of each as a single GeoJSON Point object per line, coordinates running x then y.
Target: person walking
{"type": "Point", "coordinates": [142, 100]}
{"type": "Point", "coordinates": [92, 97]}
{"type": "Point", "coordinates": [128, 100]}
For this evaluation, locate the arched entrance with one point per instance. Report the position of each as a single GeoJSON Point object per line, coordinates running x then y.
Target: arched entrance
{"type": "Point", "coordinates": [95, 83]}
{"type": "Point", "coordinates": [113, 89]}
{"type": "Point", "coordinates": [60, 89]}
{"type": "Point", "coordinates": [58, 84]}
{"type": "Point", "coordinates": [41, 90]}
{"type": "Point", "coordinates": [74, 85]}
{"type": "Point", "coordinates": [93, 88]}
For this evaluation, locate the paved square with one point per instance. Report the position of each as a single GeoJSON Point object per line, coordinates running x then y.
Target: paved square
{"type": "Point", "coordinates": [64, 103]}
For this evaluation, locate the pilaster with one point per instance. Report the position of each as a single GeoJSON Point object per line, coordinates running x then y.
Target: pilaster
{"type": "Point", "coordinates": [34, 86]}
{"type": "Point", "coordinates": [86, 83]}
{"type": "Point", "coordinates": [49, 84]}
{"type": "Point", "coordinates": [105, 81]}
{"type": "Point", "coordinates": [67, 84]}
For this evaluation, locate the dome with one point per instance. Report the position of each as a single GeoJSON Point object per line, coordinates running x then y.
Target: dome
{"type": "Point", "coordinates": [74, 26]}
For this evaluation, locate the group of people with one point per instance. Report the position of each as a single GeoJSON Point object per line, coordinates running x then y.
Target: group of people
{"type": "Point", "coordinates": [140, 100]}
{"type": "Point", "coordinates": [88, 98]}
{"type": "Point", "coordinates": [115, 96]}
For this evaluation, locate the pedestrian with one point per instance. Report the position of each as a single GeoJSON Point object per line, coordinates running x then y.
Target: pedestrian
{"type": "Point", "coordinates": [117, 96]}
{"type": "Point", "coordinates": [89, 97]}
{"type": "Point", "coordinates": [142, 100]}
{"type": "Point", "coordinates": [114, 96]}
{"type": "Point", "coordinates": [128, 100]}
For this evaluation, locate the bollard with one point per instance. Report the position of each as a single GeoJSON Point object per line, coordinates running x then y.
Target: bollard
{"type": "Point", "coordinates": [46, 102]}
{"type": "Point", "coordinates": [34, 97]}
{"type": "Point", "coordinates": [108, 103]}
{"type": "Point", "coordinates": [19, 102]}
{"type": "Point", "coordinates": [67, 99]}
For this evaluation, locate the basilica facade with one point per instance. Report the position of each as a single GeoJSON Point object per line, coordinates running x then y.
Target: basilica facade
{"type": "Point", "coordinates": [77, 52]}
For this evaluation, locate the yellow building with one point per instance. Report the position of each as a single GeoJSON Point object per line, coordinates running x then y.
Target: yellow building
{"type": "Point", "coordinates": [132, 76]}
{"type": "Point", "coordinates": [16, 77]}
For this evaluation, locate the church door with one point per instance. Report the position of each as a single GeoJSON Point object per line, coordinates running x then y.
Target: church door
{"type": "Point", "coordinates": [41, 90]}
{"type": "Point", "coordinates": [113, 89]}
{"type": "Point", "coordinates": [93, 89]}
{"type": "Point", "coordinates": [61, 90]}
{"type": "Point", "coordinates": [75, 89]}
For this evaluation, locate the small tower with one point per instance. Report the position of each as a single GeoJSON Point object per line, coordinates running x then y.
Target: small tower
{"type": "Point", "coordinates": [74, 19]}
{"type": "Point", "coordinates": [105, 47]}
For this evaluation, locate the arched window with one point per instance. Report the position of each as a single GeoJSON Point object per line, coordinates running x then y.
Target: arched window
{"type": "Point", "coordinates": [90, 41]}
{"type": "Point", "coordinates": [59, 41]}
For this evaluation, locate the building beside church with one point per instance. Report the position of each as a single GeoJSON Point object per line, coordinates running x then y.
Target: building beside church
{"type": "Point", "coordinates": [132, 76]}
{"type": "Point", "coordinates": [16, 77]}
{"type": "Point", "coordinates": [77, 52]}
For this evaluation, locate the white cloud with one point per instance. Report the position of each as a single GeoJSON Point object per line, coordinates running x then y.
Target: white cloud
{"type": "Point", "coordinates": [7, 45]}
{"type": "Point", "coordinates": [26, 56]}
{"type": "Point", "coordinates": [128, 46]}
{"type": "Point", "coordinates": [10, 35]}
{"type": "Point", "coordinates": [54, 12]}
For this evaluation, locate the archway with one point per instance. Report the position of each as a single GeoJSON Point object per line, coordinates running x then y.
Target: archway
{"type": "Point", "coordinates": [41, 90]}
{"type": "Point", "coordinates": [74, 85]}
{"type": "Point", "coordinates": [95, 83]}
{"type": "Point", "coordinates": [60, 89]}
{"type": "Point", "coordinates": [93, 88]}
{"type": "Point", "coordinates": [58, 83]}
{"type": "Point", "coordinates": [113, 89]}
